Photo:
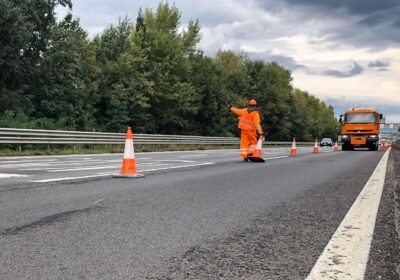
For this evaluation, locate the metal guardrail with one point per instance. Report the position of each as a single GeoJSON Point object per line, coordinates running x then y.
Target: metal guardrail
{"type": "Point", "coordinates": [59, 137]}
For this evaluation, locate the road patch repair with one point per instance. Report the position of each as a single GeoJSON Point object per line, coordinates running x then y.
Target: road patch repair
{"type": "Point", "coordinates": [346, 255]}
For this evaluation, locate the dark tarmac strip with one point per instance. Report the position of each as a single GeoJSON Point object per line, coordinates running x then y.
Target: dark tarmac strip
{"type": "Point", "coordinates": [231, 220]}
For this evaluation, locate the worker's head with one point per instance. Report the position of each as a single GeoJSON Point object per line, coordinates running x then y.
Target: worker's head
{"type": "Point", "coordinates": [252, 103]}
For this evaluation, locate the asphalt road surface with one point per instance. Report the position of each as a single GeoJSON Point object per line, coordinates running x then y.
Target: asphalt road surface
{"type": "Point", "coordinates": [196, 215]}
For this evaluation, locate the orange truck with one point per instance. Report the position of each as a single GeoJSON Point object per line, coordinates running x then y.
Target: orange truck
{"type": "Point", "coordinates": [360, 129]}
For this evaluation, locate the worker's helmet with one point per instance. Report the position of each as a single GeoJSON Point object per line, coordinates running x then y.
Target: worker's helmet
{"type": "Point", "coordinates": [252, 102]}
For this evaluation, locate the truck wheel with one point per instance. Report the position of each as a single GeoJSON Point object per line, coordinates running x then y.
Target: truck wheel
{"type": "Point", "coordinates": [373, 147]}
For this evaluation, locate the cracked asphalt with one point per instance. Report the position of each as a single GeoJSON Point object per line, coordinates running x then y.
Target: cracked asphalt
{"type": "Point", "coordinates": [232, 220]}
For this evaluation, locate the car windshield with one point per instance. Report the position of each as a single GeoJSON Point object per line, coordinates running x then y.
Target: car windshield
{"type": "Point", "coordinates": [326, 139]}
{"type": "Point", "coordinates": [360, 118]}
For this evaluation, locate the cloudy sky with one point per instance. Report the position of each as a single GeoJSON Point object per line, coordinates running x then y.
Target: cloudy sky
{"type": "Point", "coordinates": [346, 52]}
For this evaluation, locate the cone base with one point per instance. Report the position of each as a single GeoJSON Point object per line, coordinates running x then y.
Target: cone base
{"type": "Point", "coordinates": [138, 175]}
{"type": "Point", "coordinates": [293, 152]}
{"type": "Point", "coordinates": [315, 151]}
{"type": "Point", "coordinates": [256, 159]}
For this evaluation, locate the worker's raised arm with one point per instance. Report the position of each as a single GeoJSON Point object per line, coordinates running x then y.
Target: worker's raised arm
{"type": "Point", "coordinates": [236, 111]}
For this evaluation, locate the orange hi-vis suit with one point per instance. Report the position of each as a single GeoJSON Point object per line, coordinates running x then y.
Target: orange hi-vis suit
{"type": "Point", "coordinates": [249, 123]}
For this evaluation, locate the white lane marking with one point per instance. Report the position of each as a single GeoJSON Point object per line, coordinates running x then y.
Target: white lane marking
{"type": "Point", "coordinates": [346, 255]}
{"type": "Point", "coordinates": [98, 167]}
{"type": "Point", "coordinates": [174, 167]}
{"type": "Point", "coordinates": [69, 178]}
{"type": "Point", "coordinates": [84, 168]}
{"type": "Point", "coordinates": [176, 160]}
{"type": "Point", "coordinates": [199, 155]}
{"type": "Point", "coordinates": [111, 173]}
{"type": "Point", "coordinates": [29, 161]}
{"type": "Point", "coordinates": [276, 157]}
{"type": "Point", "coordinates": [59, 163]}
{"type": "Point", "coordinates": [4, 175]}
{"type": "Point", "coordinates": [98, 201]}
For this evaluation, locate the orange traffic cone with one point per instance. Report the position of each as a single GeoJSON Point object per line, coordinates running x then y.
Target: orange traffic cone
{"type": "Point", "coordinates": [315, 151]}
{"type": "Point", "coordinates": [293, 151]}
{"type": "Point", "coordinates": [129, 164]}
{"type": "Point", "coordinates": [336, 147]}
{"type": "Point", "coordinates": [257, 155]}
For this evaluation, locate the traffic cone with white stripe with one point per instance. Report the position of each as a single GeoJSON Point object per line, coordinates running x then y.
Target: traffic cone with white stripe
{"type": "Point", "coordinates": [315, 150]}
{"type": "Point", "coordinates": [128, 169]}
{"type": "Point", "coordinates": [257, 155]}
{"type": "Point", "coordinates": [336, 147]}
{"type": "Point", "coordinates": [293, 151]}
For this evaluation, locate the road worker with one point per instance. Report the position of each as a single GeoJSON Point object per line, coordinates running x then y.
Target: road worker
{"type": "Point", "coordinates": [249, 124]}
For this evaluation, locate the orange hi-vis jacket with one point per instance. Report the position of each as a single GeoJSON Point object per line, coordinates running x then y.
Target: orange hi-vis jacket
{"type": "Point", "coordinates": [248, 121]}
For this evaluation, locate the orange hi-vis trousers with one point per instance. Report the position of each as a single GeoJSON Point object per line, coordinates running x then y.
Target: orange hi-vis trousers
{"type": "Point", "coordinates": [248, 142]}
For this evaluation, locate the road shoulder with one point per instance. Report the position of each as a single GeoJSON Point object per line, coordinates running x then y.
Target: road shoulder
{"type": "Point", "coordinates": [384, 256]}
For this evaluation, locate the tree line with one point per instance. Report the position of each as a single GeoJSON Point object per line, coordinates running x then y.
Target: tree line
{"type": "Point", "coordinates": [149, 73]}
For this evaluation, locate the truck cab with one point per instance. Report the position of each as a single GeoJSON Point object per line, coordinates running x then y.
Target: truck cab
{"type": "Point", "coordinates": [360, 129]}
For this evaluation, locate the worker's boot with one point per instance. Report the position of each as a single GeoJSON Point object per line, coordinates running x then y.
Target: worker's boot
{"type": "Point", "coordinates": [246, 159]}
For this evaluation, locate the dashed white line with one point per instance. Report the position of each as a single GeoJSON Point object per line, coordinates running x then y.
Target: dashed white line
{"type": "Point", "coordinates": [198, 155]}
{"type": "Point", "coordinates": [111, 173]}
{"type": "Point", "coordinates": [5, 175]}
{"type": "Point", "coordinates": [98, 201]}
{"type": "Point", "coordinates": [276, 157]}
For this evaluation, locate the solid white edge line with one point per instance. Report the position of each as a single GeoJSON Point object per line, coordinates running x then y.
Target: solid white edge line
{"type": "Point", "coordinates": [345, 257]}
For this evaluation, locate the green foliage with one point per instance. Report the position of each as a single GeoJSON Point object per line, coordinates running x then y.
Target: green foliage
{"type": "Point", "coordinates": [149, 74]}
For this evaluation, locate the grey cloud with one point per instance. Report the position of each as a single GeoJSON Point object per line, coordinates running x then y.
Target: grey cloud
{"type": "Point", "coordinates": [389, 110]}
{"type": "Point", "coordinates": [397, 23]}
{"type": "Point", "coordinates": [379, 64]}
{"type": "Point", "coordinates": [371, 23]}
{"type": "Point", "coordinates": [285, 61]}
{"type": "Point", "coordinates": [356, 69]}
{"type": "Point", "coordinates": [360, 7]}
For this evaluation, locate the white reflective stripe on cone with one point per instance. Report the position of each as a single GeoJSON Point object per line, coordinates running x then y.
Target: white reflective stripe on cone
{"type": "Point", "coordinates": [259, 144]}
{"type": "Point", "coordinates": [129, 152]}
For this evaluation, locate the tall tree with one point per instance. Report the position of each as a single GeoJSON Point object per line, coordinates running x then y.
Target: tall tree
{"type": "Point", "coordinates": [25, 30]}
